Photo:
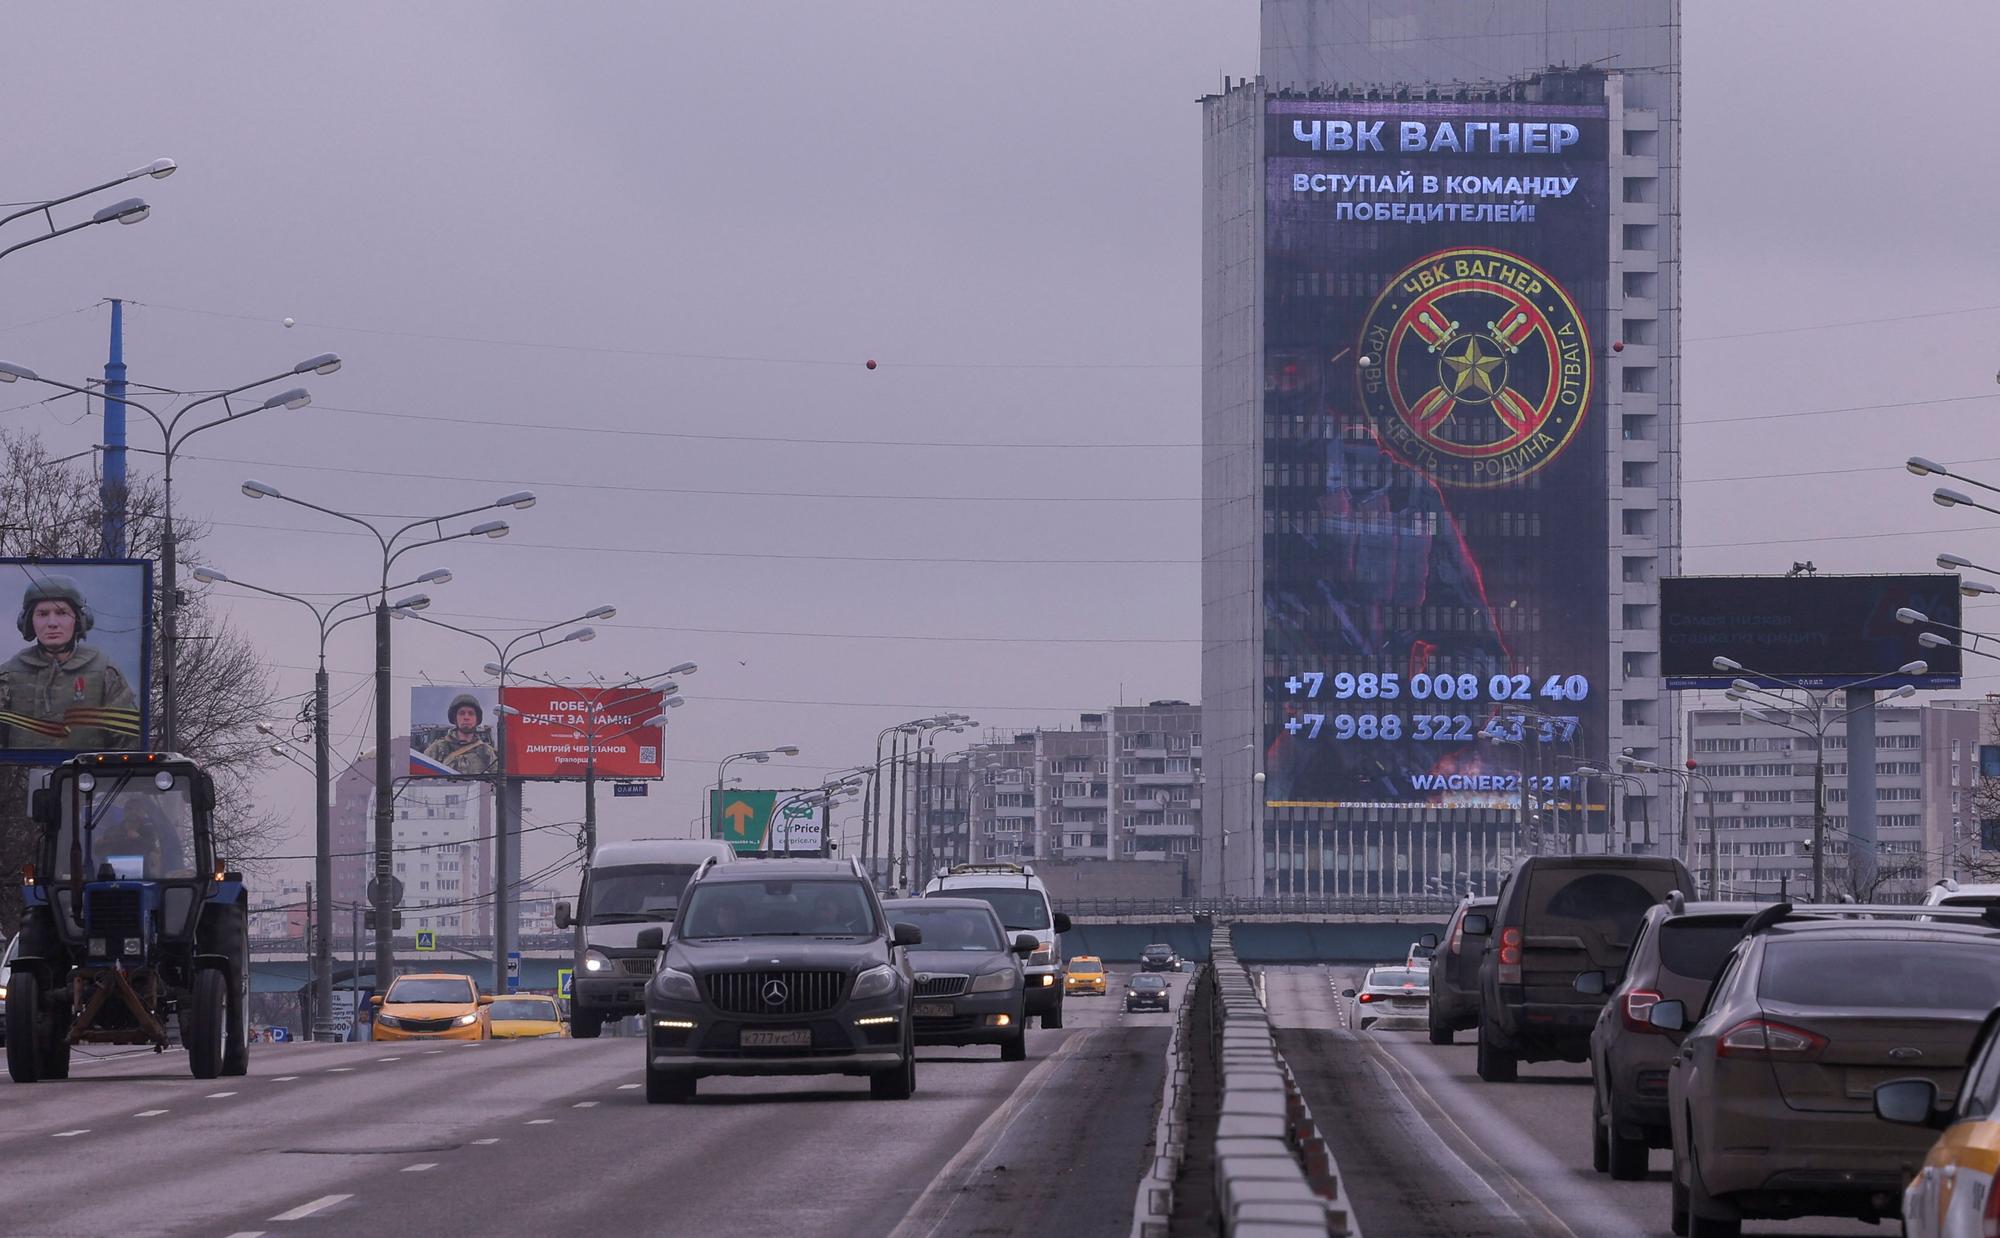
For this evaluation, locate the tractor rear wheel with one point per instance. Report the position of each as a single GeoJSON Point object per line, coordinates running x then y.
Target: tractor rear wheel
{"type": "Point", "coordinates": [24, 1000]}
{"type": "Point", "coordinates": [205, 1026]}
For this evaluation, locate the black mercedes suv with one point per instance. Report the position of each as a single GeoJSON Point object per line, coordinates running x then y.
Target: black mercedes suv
{"type": "Point", "coordinates": [780, 967]}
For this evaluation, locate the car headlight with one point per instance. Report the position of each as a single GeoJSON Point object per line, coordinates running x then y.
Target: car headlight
{"type": "Point", "coordinates": [1001, 981]}
{"type": "Point", "coordinates": [3, 992]}
{"type": "Point", "coordinates": [676, 985]}
{"type": "Point", "coordinates": [387, 1020]}
{"type": "Point", "coordinates": [875, 982]}
{"type": "Point", "coordinates": [597, 961]}
{"type": "Point", "coordinates": [467, 1020]}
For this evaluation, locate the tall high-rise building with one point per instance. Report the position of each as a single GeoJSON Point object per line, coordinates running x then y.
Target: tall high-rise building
{"type": "Point", "coordinates": [1441, 434]}
{"type": "Point", "coordinates": [443, 857]}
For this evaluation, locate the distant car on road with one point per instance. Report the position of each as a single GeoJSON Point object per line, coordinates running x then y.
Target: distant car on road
{"type": "Point", "coordinates": [781, 967]}
{"type": "Point", "coordinates": [1681, 947]}
{"type": "Point", "coordinates": [1770, 1095]}
{"type": "Point", "coordinates": [526, 1017]}
{"type": "Point", "coordinates": [1558, 916]}
{"type": "Point", "coordinates": [968, 972]}
{"type": "Point", "coordinates": [1022, 902]}
{"type": "Point", "coordinates": [1455, 970]}
{"type": "Point", "coordinates": [431, 1006]}
{"type": "Point", "coordinates": [1421, 951]}
{"type": "Point", "coordinates": [1085, 974]}
{"type": "Point", "coordinates": [630, 886]}
{"type": "Point", "coordinates": [1146, 991]}
{"type": "Point", "coordinates": [1159, 957]}
{"type": "Point", "coordinates": [1390, 992]}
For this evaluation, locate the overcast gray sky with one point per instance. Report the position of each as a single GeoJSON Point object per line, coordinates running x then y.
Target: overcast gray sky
{"type": "Point", "coordinates": [559, 245]}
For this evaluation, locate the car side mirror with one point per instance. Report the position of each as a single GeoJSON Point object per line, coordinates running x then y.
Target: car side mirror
{"type": "Point", "coordinates": [1428, 941]}
{"type": "Point", "coordinates": [1668, 1016]}
{"type": "Point", "coordinates": [1910, 1102]}
{"type": "Point", "coordinates": [906, 934]}
{"type": "Point", "coordinates": [486, 999]}
{"type": "Point", "coordinates": [1062, 922]}
{"type": "Point", "coordinates": [652, 939]}
{"type": "Point", "coordinates": [1025, 944]}
{"type": "Point", "coordinates": [1476, 924]}
{"type": "Point", "coordinates": [1590, 984]}
{"type": "Point", "coordinates": [43, 806]}
{"type": "Point", "coordinates": [376, 1000]}
{"type": "Point", "coordinates": [564, 917]}
{"type": "Point", "coordinates": [1347, 992]}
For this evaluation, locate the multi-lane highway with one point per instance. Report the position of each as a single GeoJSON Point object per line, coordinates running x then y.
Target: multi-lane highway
{"type": "Point", "coordinates": [555, 1136]}
{"type": "Point", "coordinates": [1427, 1149]}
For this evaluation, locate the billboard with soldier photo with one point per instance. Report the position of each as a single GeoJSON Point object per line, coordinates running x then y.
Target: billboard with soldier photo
{"type": "Point", "coordinates": [451, 732]}
{"type": "Point", "coordinates": [76, 678]}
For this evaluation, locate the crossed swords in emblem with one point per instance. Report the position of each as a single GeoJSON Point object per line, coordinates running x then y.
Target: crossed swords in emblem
{"type": "Point", "coordinates": [1474, 371]}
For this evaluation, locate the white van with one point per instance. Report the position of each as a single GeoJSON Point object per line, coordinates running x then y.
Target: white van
{"type": "Point", "coordinates": [629, 887]}
{"type": "Point", "coordinates": [1023, 904]}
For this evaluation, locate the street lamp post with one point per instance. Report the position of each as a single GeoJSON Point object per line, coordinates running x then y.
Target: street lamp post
{"type": "Point", "coordinates": [506, 843]}
{"type": "Point", "coordinates": [172, 439]}
{"type": "Point", "coordinates": [323, 617]}
{"type": "Point", "coordinates": [127, 211]}
{"type": "Point", "coordinates": [1689, 777]}
{"type": "Point", "coordinates": [1816, 725]}
{"type": "Point", "coordinates": [949, 724]}
{"type": "Point", "coordinates": [393, 547]}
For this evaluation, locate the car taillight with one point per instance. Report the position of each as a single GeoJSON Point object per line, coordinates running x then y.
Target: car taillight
{"type": "Point", "coordinates": [1366, 997]}
{"type": "Point", "coordinates": [1457, 939]}
{"type": "Point", "coordinates": [1638, 1003]}
{"type": "Point", "coordinates": [1510, 956]}
{"type": "Point", "coordinates": [1765, 1040]}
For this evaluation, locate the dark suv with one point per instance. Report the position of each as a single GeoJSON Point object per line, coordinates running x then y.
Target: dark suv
{"type": "Point", "coordinates": [1680, 948]}
{"type": "Point", "coordinates": [1455, 970]}
{"type": "Point", "coordinates": [1557, 917]}
{"type": "Point", "coordinates": [781, 967]}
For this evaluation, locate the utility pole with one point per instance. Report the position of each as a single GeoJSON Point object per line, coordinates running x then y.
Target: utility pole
{"type": "Point", "coordinates": [385, 799]}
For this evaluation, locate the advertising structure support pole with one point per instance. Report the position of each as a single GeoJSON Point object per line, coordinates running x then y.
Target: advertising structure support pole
{"type": "Point", "coordinates": [323, 1027]}
{"type": "Point", "coordinates": [111, 491]}
{"type": "Point", "coordinates": [503, 846]}
{"type": "Point", "coordinates": [1819, 822]}
{"type": "Point", "coordinates": [1862, 846]}
{"type": "Point", "coordinates": [385, 802]}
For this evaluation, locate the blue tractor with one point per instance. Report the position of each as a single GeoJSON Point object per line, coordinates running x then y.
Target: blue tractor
{"type": "Point", "coordinates": [132, 927]}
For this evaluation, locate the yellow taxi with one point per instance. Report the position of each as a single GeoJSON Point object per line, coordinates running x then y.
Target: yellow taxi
{"type": "Point", "coordinates": [525, 1017]}
{"type": "Point", "coordinates": [440, 1006]}
{"type": "Point", "coordinates": [1085, 974]}
{"type": "Point", "coordinates": [1953, 1195]}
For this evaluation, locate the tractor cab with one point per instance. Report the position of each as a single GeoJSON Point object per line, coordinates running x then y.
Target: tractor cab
{"type": "Point", "coordinates": [130, 921]}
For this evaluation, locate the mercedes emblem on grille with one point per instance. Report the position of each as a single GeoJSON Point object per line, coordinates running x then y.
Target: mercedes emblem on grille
{"type": "Point", "coordinates": [923, 977]}
{"type": "Point", "coordinates": [775, 992]}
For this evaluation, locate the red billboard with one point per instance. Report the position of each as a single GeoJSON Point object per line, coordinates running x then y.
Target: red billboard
{"type": "Point", "coordinates": [552, 732]}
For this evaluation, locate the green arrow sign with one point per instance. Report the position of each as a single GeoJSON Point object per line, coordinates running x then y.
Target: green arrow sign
{"type": "Point", "coordinates": [740, 818]}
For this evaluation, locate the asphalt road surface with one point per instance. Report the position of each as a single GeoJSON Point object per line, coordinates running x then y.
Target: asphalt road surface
{"type": "Point", "coordinates": [1426, 1149]}
{"type": "Point", "coordinates": [555, 1137]}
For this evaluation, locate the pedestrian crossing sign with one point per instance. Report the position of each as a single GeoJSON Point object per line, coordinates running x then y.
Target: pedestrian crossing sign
{"type": "Point", "coordinates": [427, 939]}
{"type": "Point", "coordinates": [564, 987]}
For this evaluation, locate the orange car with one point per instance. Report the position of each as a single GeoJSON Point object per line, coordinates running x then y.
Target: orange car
{"type": "Point", "coordinates": [432, 1007]}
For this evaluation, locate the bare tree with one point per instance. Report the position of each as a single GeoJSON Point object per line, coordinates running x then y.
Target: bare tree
{"type": "Point", "coordinates": [50, 509]}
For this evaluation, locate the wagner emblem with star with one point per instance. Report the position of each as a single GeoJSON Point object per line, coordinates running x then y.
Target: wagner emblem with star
{"type": "Point", "coordinates": [1479, 367]}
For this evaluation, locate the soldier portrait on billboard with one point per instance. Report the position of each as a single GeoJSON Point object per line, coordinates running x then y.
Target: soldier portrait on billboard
{"type": "Point", "coordinates": [464, 748]}
{"type": "Point", "coordinates": [61, 692]}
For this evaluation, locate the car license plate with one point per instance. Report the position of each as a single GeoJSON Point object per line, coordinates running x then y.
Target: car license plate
{"type": "Point", "coordinates": [790, 1038]}
{"type": "Point", "coordinates": [935, 1010]}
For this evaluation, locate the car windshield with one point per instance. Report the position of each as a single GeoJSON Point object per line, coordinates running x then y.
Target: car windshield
{"type": "Point", "coordinates": [1397, 977]}
{"type": "Point", "coordinates": [135, 829]}
{"type": "Point", "coordinates": [1696, 948]}
{"type": "Point", "coordinates": [1149, 982]}
{"type": "Point", "coordinates": [1086, 966]}
{"type": "Point", "coordinates": [1882, 975]}
{"type": "Point", "coordinates": [1158, 950]}
{"type": "Point", "coordinates": [788, 908]}
{"type": "Point", "coordinates": [636, 892]}
{"type": "Point", "coordinates": [952, 928]}
{"type": "Point", "coordinates": [1020, 909]}
{"type": "Point", "coordinates": [429, 990]}
{"type": "Point", "coordinates": [523, 1008]}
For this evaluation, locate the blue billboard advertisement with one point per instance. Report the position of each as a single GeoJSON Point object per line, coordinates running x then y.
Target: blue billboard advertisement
{"type": "Point", "coordinates": [1435, 491]}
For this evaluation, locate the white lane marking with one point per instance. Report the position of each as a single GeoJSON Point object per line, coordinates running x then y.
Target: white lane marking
{"type": "Point", "coordinates": [483, 1142]}
{"type": "Point", "coordinates": [218, 1095]}
{"type": "Point", "coordinates": [397, 1058]}
{"type": "Point", "coordinates": [248, 1233]}
{"type": "Point", "coordinates": [419, 1167]}
{"type": "Point", "coordinates": [303, 1211]}
{"type": "Point", "coordinates": [428, 1052]}
{"type": "Point", "coordinates": [84, 1130]}
{"type": "Point", "coordinates": [540, 1121]}
{"type": "Point", "coordinates": [336, 1070]}
{"type": "Point", "coordinates": [149, 1113]}
{"type": "Point", "coordinates": [584, 1104]}
{"type": "Point", "coordinates": [283, 1078]}
{"type": "Point", "coordinates": [628, 1087]}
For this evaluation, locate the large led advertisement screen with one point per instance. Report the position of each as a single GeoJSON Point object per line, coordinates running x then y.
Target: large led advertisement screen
{"type": "Point", "coordinates": [1809, 631]}
{"type": "Point", "coordinates": [1434, 486]}
{"type": "Point", "coordinates": [556, 732]}
{"type": "Point", "coordinates": [76, 678]}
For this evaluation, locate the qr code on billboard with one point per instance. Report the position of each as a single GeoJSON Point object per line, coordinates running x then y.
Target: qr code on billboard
{"type": "Point", "coordinates": [648, 754]}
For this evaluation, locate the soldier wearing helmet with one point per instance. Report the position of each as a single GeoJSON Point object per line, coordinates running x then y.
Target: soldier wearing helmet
{"type": "Point", "coordinates": [464, 748]}
{"type": "Point", "coordinates": [60, 692]}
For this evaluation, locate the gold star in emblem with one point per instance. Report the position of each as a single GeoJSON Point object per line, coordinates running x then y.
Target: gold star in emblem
{"type": "Point", "coordinates": [1473, 369]}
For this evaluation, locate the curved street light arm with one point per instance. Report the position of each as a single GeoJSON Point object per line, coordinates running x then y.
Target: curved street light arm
{"type": "Point", "coordinates": [153, 169]}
